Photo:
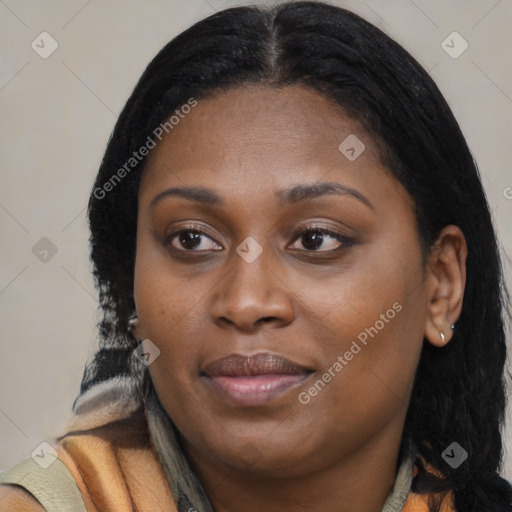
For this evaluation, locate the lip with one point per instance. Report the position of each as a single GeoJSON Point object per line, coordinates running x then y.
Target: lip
{"type": "Point", "coordinates": [254, 380]}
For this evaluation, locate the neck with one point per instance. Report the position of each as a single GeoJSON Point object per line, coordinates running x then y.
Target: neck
{"type": "Point", "coordinates": [359, 482]}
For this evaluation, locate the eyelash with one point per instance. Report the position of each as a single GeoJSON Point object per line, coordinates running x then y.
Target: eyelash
{"type": "Point", "coordinates": [346, 242]}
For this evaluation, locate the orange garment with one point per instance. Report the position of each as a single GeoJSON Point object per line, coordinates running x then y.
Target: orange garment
{"type": "Point", "coordinates": [419, 502]}
{"type": "Point", "coordinates": [120, 473]}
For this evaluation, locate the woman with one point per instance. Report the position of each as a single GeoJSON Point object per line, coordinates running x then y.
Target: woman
{"type": "Point", "coordinates": [300, 285]}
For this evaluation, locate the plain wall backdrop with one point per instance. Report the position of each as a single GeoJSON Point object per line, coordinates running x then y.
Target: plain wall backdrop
{"type": "Point", "coordinates": [58, 110]}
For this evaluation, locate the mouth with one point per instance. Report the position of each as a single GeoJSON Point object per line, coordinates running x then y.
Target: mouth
{"type": "Point", "coordinates": [253, 380]}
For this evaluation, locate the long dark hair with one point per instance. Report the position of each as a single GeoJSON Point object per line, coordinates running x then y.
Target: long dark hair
{"type": "Point", "coordinates": [459, 392]}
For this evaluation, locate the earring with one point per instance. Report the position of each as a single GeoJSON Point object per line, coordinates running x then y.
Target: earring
{"type": "Point", "coordinates": [442, 336]}
{"type": "Point", "coordinates": [453, 327]}
{"type": "Point", "coordinates": [132, 322]}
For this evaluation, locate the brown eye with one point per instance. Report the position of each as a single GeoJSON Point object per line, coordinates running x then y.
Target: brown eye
{"type": "Point", "coordinates": [315, 238]}
{"type": "Point", "coordinates": [191, 240]}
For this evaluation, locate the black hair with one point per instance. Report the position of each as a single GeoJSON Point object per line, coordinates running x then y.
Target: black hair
{"type": "Point", "coordinates": [459, 390]}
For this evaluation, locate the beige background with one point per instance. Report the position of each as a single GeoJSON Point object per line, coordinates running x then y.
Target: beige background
{"type": "Point", "coordinates": [57, 114]}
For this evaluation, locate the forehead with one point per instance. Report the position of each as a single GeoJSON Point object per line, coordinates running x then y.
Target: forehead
{"type": "Point", "coordinates": [255, 114]}
{"type": "Point", "coordinates": [260, 139]}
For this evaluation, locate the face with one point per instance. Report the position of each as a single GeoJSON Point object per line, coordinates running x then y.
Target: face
{"type": "Point", "coordinates": [285, 291]}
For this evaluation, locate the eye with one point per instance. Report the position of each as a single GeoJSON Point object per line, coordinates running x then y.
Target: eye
{"type": "Point", "coordinates": [313, 238]}
{"type": "Point", "coordinates": [191, 240]}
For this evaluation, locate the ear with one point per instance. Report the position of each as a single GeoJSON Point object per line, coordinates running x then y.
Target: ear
{"type": "Point", "coordinates": [445, 283]}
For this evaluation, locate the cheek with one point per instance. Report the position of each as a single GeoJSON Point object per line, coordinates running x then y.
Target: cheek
{"type": "Point", "coordinates": [161, 296]}
{"type": "Point", "coordinates": [377, 327]}
{"type": "Point", "coordinates": [162, 303]}
{"type": "Point", "coordinates": [366, 381]}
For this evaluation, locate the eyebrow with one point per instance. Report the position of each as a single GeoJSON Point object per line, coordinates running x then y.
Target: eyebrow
{"type": "Point", "coordinates": [289, 196]}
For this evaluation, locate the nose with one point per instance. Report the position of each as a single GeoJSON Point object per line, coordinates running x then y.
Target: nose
{"type": "Point", "coordinates": [252, 294]}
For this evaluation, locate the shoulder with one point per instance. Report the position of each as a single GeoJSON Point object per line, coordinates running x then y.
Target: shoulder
{"type": "Point", "coordinates": [45, 484]}
{"type": "Point", "coordinates": [116, 467]}
{"type": "Point", "coordinates": [428, 487]}
{"type": "Point", "coordinates": [15, 498]}
{"type": "Point", "coordinates": [106, 468]}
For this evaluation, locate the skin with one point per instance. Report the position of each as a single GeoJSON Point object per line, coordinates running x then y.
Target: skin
{"type": "Point", "coordinates": [293, 300]}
